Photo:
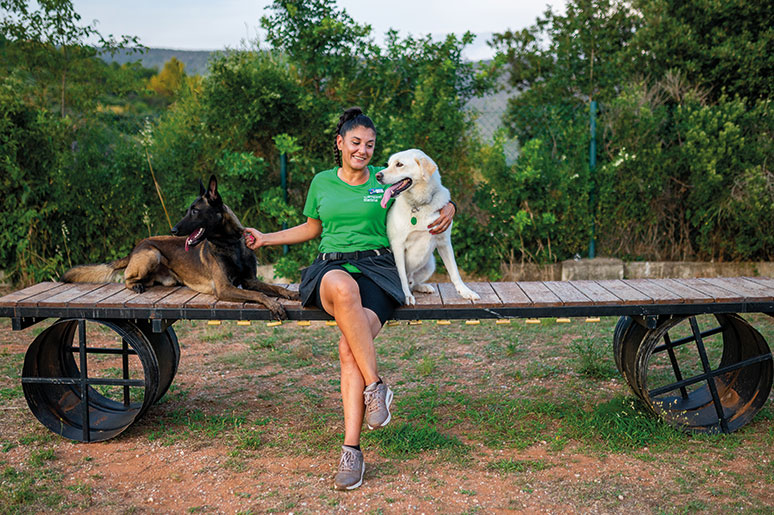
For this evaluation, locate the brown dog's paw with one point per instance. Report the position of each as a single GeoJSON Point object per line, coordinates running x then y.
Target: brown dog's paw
{"type": "Point", "coordinates": [293, 295]}
{"type": "Point", "coordinates": [277, 310]}
{"type": "Point", "coordinates": [138, 288]}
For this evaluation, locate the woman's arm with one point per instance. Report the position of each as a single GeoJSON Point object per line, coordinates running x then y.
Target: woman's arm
{"type": "Point", "coordinates": [298, 234]}
{"type": "Point", "coordinates": [444, 220]}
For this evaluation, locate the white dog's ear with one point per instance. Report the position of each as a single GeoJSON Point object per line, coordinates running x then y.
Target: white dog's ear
{"type": "Point", "coordinates": [427, 165]}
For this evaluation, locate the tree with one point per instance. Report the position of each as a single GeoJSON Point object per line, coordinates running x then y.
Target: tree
{"type": "Point", "coordinates": [169, 80]}
{"type": "Point", "coordinates": [50, 43]}
{"type": "Point", "coordinates": [684, 131]}
{"type": "Point", "coordinates": [724, 47]}
{"type": "Point", "coordinates": [325, 43]}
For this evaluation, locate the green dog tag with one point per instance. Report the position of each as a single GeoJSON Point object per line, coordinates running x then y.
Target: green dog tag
{"type": "Point", "coordinates": [413, 220]}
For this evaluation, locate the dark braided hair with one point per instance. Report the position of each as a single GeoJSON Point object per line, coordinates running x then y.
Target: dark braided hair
{"type": "Point", "coordinates": [350, 119]}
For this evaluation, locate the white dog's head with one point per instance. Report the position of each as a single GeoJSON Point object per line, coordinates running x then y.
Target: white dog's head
{"type": "Point", "coordinates": [404, 170]}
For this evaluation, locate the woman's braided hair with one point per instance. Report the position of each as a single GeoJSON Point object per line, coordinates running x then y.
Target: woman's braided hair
{"type": "Point", "coordinates": [350, 119]}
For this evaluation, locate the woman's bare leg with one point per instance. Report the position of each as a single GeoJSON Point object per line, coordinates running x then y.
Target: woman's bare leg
{"type": "Point", "coordinates": [340, 296]}
{"type": "Point", "coordinates": [363, 324]}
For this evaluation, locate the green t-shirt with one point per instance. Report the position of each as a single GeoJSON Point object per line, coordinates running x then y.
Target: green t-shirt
{"type": "Point", "coordinates": [352, 218]}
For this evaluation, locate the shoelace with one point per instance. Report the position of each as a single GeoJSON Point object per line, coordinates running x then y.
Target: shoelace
{"type": "Point", "coordinates": [372, 400]}
{"type": "Point", "coordinates": [348, 461]}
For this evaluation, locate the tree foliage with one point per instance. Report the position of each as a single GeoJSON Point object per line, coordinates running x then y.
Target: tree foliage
{"type": "Point", "coordinates": [49, 45]}
{"type": "Point", "coordinates": [684, 133]}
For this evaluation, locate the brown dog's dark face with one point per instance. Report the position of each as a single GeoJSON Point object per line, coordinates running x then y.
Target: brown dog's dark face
{"type": "Point", "coordinates": [203, 215]}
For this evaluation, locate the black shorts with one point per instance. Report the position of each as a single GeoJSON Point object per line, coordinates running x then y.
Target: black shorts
{"type": "Point", "coordinates": [371, 296]}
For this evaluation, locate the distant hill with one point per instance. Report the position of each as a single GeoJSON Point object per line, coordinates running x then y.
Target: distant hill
{"type": "Point", "coordinates": [489, 109]}
{"type": "Point", "coordinates": [195, 60]}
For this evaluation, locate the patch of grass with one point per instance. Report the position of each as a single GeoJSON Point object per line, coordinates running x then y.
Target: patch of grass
{"type": "Point", "coordinates": [181, 423]}
{"type": "Point", "coordinates": [591, 358]}
{"type": "Point", "coordinates": [315, 431]}
{"type": "Point", "coordinates": [426, 367]}
{"type": "Point", "coordinates": [217, 336]}
{"type": "Point", "coordinates": [409, 440]}
{"type": "Point", "coordinates": [426, 404]}
{"type": "Point", "coordinates": [510, 466]}
{"type": "Point", "coordinates": [500, 421]}
{"type": "Point", "coordinates": [40, 456]}
{"type": "Point", "coordinates": [11, 364]}
{"type": "Point", "coordinates": [7, 394]}
{"type": "Point", "coordinates": [29, 491]}
{"type": "Point", "coordinates": [623, 424]}
{"type": "Point", "coordinates": [541, 370]}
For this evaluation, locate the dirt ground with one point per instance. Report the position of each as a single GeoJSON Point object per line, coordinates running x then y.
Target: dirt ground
{"type": "Point", "coordinates": [273, 456]}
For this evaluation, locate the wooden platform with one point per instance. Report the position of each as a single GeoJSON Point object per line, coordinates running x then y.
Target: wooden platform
{"type": "Point", "coordinates": [498, 300]}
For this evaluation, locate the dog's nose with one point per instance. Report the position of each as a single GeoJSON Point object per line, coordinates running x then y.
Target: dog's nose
{"type": "Point", "coordinates": [174, 231]}
{"type": "Point", "coordinates": [379, 176]}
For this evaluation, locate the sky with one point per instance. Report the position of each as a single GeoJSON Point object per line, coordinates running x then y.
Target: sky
{"type": "Point", "coordinates": [215, 25]}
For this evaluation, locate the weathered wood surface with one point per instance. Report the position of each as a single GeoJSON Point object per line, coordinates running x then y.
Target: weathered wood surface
{"type": "Point", "coordinates": [498, 299]}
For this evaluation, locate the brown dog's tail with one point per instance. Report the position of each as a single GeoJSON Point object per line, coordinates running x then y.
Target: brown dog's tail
{"type": "Point", "coordinates": [104, 273]}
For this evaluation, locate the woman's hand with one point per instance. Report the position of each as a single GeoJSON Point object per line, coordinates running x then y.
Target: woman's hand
{"type": "Point", "coordinates": [253, 238]}
{"type": "Point", "coordinates": [443, 222]}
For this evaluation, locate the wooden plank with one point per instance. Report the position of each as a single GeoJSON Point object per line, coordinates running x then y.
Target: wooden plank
{"type": "Point", "coordinates": [655, 291]}
{"type": "Point", "coordinates": [62, 299]}
{"type": "Point", "coordinates": [201, 301]}
{"type": "Point", "coordinates": [626, 293]}
{"type": "Point", "coordinates": [511, 295]}
{"type": "Point", "coordinates": [539, 294]}
{"type": "Point", "coordinates": [598, 295]}
{"type": "Point", "coordinates": [150, 297]}
{"type": "Point", "coordinates": [568, 293]}
{"type": "Point", "coordinates": [489, 299]}
{"type": "Point", "coordinates": [35, 299]}
{"type": "Point", "coordinates": [718, 294]}
{"type": "Point", "coordinates": [235, 306]}
{"type": "Point", "coordinates": [750, 291]}
{"type": "Point", "coordinates": [118, 300]}
{"type": "Point", "coordinates": [95, 297]}
{"type": "Point", "coordinates": [429, 300]}
{"type": "Point", "coordinates": [689, 295]}
{"type": "Point", "coordinates": [12, 299]}
{"type": "Point", "coordinates": [765, 281]}
{"type": "Point", "coordinates": [176, 299]}
{"type": "Point", "coordinates": [450, 297]}
{"type": "Point", "coordinates": [293, 304]}
{"type": "Point", "coordinates": [760, 288]}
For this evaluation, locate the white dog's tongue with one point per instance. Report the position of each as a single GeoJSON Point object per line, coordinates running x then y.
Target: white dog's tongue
{"type": "Point", "coordinates": [393, 191]}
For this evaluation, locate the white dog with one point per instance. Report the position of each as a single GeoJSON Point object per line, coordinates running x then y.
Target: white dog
{"type": "Point", "coordinates": [416, 184]}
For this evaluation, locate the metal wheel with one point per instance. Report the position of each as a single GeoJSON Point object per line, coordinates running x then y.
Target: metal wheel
{"type": "Point", "coordinates": [167, 350]}
{"type": "Point", "coordinates": [92, 393]}
{"type": "Point", "coordinates": [710, 373]}
{"type": "Point", "coordinates": [627, 338]}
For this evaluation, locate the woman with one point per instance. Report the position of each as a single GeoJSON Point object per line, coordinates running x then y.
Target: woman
{"type": "Point", "coordinates": [354, 278]}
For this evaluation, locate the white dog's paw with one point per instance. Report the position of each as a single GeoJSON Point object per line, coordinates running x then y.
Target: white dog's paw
{"type": "Point", "coordinates": [410, 300]}
{"type": "Point", "coordinates": [467, 293]}
{"type": "Point", "coordinates": [424, 288]}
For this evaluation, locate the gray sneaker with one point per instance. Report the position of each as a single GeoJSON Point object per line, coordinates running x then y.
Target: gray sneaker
{"type": "Point", "coordinates": [351, 469]}
{"type": "Point", "coordinates": [378, 398]}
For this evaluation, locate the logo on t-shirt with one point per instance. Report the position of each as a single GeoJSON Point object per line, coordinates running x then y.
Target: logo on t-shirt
{"type": "Point", "coordinates": [374, 195]}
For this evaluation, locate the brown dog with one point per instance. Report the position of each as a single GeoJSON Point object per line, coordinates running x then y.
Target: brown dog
{"type": "Point", "coordinates": [218, 266]}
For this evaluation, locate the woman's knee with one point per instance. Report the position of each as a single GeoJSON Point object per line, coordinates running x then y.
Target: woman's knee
{"type": "Point", "coordinates": [339, 289]}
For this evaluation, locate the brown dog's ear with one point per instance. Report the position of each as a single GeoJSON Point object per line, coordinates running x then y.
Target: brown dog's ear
{"type": "Point", "coordinates": [202, 191]}
{"type": "Point", "coordinates": [427, 165]}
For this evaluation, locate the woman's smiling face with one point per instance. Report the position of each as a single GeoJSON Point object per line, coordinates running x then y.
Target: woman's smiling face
{"type": "Point", "coordinates": [357, 147]}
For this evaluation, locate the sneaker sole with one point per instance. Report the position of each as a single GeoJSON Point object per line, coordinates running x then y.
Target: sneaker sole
{"type": "Point", "coordinates": [356, 485]}
{"type": "Point", "coordinates": [388, 401]}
